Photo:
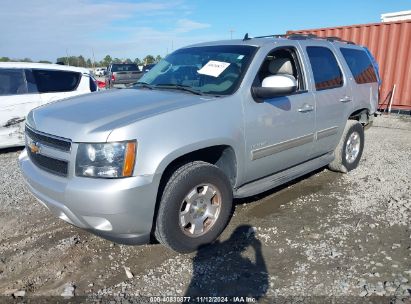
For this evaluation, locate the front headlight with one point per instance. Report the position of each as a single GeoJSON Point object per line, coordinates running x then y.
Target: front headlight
{"type": "Point", "coordinates": [107, 160]}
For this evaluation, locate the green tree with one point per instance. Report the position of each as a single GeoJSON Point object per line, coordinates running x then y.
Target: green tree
{"type": "Point", "coordinates": [62, 59]}
{"type": "Point", "coordinates": [158, 58]}
{"type": "Point", "coordinates": [81, 61]}
{"type": "Point", "coordinates": [26, 60]}
{"type": "Point", "coordinates": [117, 60]}
{"type": "Point", "coordinates": [4, 59]}
{"type": "Point", "coordinates": [44, 61]}
{"type": "Point", "coordinates": [137, 61]}
{"type": "Point", "coordinates": [149, 59]}
{"type": "Point", "coordinates": [106, 61]}
{"type": "Point", "coordinates": [128, 60]}
{"type": "Point", "coordinates": [88, 63]}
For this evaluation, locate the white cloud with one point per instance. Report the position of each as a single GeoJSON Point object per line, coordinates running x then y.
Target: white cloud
{"type": "Point", "coordinates": [45, 29]}
{"type": "Point", "coordinates": [186, 25]}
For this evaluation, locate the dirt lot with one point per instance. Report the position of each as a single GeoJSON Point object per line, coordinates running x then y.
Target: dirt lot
{"type": "Point", "coordinates": [327, 235]}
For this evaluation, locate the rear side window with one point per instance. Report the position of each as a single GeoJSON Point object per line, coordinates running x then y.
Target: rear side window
{"type": "Point", "coordinates": [12, 82]}
{"type": "Point", "coordinates": [56, 81]}
{"type": "Point", "coordinates": [327, 73]}
{"type": "Point", "coordinates": [124, 68]}
{"type": "Point", "coordinates": [360, 65]}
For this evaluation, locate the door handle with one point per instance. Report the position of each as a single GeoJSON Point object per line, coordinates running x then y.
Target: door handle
{"type": "Point", "coordinates": [306, 108]}
{"type": "Point", "coordinates": [346, 99]}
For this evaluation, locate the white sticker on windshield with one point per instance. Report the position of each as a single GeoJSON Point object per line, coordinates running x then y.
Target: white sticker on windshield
{"type": "Point", "coordinates": [213, 68]}
{"type": "Point", "coordinates": [240, 57]}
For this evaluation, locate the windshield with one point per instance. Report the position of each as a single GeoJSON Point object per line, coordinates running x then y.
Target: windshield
{"type": "Point", "coordinates": [213, 70]}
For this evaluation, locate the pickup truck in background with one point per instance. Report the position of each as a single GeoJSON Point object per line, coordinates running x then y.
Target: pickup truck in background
{"type": "Point", "coordinates": [122, 75]}
{"type": "Point", "coordinates": [208, 123]}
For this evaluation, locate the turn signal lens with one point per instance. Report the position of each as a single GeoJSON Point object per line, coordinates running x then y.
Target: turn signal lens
{"type": "Point", "coordinates": [129, 159]}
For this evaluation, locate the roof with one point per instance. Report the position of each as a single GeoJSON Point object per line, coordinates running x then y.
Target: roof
{"type": "Point", "coordinates": [48, 66]}
{"type": "Point", "coordinates": [261, 41]}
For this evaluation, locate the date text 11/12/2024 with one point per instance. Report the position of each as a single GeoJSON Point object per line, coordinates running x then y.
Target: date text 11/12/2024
{"type": "Point", "coordinates": [202, 299]}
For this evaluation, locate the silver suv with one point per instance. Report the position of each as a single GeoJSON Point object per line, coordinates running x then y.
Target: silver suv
{"type": "Point", "coordinates": [208, 123]}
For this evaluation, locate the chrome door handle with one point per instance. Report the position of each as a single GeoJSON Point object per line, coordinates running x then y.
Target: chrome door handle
{"type": "Point", "coordinates": [346, 99]}
{"type": "Point", "coordinates": [306, 108]}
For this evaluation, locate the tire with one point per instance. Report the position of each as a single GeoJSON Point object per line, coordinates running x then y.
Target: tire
{"type": "Point", "coordinates": [349, 150]}
{"type": "Point", "coordinates": [183, 200]}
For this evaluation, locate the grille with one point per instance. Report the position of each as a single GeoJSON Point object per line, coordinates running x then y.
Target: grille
{"type": "Point", "coordinates": [48, 163]}
{"type": "Point", "coordinates": [55, 166]}
{"type": "Point", "coordinates": [60, 144]}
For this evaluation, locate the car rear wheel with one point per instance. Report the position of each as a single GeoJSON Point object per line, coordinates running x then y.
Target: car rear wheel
{"type": "Point", "coordinates": [195, 207]}
{"type": "Point", "coordinates": [349, 150]}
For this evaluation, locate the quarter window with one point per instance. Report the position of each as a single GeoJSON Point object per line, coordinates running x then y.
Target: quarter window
{"type": "Point", "coordinates": [360, 65]}
{"type": "Point", "coordinates": [12, 82]}
{"type": "Point", "coordinates": [327, 73]}
{"type": "Point", "coordinates": [56, 81]}
{"type": "Point", "coordinates": [93, 85]}
{"type": "Point", "coordinates": [31, 82]}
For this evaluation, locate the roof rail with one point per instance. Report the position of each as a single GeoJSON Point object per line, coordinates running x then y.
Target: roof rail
{"type": "Point", "coordinates": [334, 38]}
{"type": "Point", "coordinates": [272, 36]}
{"type": "Point", "coordinates": [300, 37]}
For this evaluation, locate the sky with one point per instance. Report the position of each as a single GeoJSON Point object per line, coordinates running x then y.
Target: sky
{"type": "Point", "coordinates": [47, 29]}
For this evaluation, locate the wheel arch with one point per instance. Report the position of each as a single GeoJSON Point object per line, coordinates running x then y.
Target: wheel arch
{"type": "Point", "coordinates": [223, 156]}
{"type": "Point", "coordinates": [362, 115]}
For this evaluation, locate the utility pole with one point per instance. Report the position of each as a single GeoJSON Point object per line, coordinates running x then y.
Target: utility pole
{"type": "Point", "coordinates": [94, 59]}
{"type": "Point", "coordinates": [231, 33]}
{"type": "Point", "coordinates": [67, 58]}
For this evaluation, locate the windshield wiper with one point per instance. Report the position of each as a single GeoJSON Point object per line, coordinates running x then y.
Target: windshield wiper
{"type": "Point", "coordinates": [143, 84]}
{"type": "Point", "coordinates": [178, 87]}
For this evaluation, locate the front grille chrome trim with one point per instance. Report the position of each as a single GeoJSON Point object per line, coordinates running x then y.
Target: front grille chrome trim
{"type": "Point", "coordinates": [52, 141]}
{"type": "Point", "coordinates": [48, 152]}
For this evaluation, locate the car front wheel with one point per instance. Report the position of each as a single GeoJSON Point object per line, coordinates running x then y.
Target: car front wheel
{"type": "Point", "coordinates": [195, 207]}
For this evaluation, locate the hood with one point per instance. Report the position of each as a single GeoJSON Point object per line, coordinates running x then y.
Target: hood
{"type": "Point", "coordinates": [91, 117]}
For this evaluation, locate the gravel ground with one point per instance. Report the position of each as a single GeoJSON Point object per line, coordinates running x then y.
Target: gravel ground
{"type": "Point", "coordinates": [345, 237]}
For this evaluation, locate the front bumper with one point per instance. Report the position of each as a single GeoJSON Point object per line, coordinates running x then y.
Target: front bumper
{"type": "Point", "coordinates": [121, 210]}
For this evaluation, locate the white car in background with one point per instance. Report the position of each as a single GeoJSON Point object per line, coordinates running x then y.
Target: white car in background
{"type": "Point", "coordinates": [100, 71]}
{"type": "Point", "coordinates": [26, 85]}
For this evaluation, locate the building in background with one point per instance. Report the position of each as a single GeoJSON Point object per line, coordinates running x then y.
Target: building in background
{"type": "Point", "coordinates": [397, 16]}
{"type": "Point", "coordinates": [390, 43]}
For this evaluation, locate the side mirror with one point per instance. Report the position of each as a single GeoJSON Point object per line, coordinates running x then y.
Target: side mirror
{"type": "Point", "coordinates": [274, 86]}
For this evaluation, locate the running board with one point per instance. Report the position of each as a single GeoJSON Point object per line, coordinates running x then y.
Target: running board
{"type": "Point", "coordinates": [282, 177]}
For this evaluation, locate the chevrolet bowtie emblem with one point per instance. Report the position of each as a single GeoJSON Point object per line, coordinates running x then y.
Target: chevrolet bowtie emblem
{"type": "Point", "coordinates": [34, 147]}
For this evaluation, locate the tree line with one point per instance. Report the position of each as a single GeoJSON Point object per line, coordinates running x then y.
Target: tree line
{"type": "Point", "coordinates": [81, 61]}
{"type": "Point", "coordinates": [7, 59]}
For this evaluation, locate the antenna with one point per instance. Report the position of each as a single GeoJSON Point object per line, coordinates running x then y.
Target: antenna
{"type": "Point", "coordinates": [246, 37]}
